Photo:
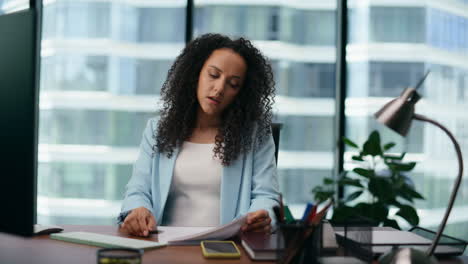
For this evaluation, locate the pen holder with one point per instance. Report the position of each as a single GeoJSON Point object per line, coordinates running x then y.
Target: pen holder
{"type": "Point", "coordinates": [298, 243]}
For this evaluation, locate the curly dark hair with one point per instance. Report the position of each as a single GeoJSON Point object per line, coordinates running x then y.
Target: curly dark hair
{"type": "Point", "coordinates": [252, 105]}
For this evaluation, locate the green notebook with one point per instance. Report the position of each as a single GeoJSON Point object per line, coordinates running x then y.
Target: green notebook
{"type": "Point", "coordinates": [107, 241]}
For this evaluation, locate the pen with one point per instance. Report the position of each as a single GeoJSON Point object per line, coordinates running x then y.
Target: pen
{"type": "Point", "coordinates": [320, 215]}
{"type": "Point", "coordinates": [154, 231]}
{"type": "Point", "coordinates": [307, 211]}
{"type": "Point", "coordinates": [312, 214]}
{"type": "Point", "coordinates": [276, 210]}
{"type": "Point", "coordinates": [288, 215]}
{"type": "Point", "coordinates": [281, 208]}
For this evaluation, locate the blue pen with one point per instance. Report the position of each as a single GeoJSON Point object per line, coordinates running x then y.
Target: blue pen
{"type": "Point", "coordinates": [307, 211]}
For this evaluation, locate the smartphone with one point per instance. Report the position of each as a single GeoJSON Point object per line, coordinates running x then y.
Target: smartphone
{"type": "Point", "coordinates": [219, 249]}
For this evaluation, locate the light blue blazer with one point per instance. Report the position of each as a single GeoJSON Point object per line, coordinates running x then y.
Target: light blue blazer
{"type": "Point", "coordinates": [250, 183]}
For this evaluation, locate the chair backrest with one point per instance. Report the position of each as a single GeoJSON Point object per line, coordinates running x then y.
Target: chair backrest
{"type": "Point", "coordinates": [275, 130]}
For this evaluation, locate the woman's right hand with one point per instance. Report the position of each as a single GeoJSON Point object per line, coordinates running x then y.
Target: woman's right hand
{"type": "Point", "coordinates": [139, 222]}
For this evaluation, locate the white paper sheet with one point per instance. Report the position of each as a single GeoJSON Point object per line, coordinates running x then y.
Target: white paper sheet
{"type": "Point", "coordinates": [217, 233]}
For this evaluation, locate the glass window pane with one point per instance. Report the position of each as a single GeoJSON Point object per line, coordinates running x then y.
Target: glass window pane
{"type": "Point", "coordinates": [153, 25]}
{"type": "Point", "coordinates": [397, 24]}
{"type": "Point", "coordinates": [75, 72]}
{"type": "Point", "coordinates": [110, 128]}
{"type": "Point", "coordinates": [9, 6]}
{"type": "Point", "coordinates": [102, 68]}
{"type": "Point", "coordinates": [298, 79]}
{"type": "Point", "coordinates": [60, 19]}
{"type": "Point", "coordinates": [252, 22]}
{"type": "Point", "coordinates": [391, 47]}
{"type": "Point", "coordinates": [307, 26]}
{"type": "Point", "coordinates": [305, 85]}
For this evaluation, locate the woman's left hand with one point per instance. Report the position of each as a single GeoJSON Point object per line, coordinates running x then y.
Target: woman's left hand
{"type": "Point", "coordinates": [258, 221]}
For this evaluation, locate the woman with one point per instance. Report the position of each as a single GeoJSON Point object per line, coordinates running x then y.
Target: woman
{"type": "Point", "coordinates": [210, 157]}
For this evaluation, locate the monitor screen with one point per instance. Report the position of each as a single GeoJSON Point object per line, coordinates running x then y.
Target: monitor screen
{"type": "Point", "coordinates": [19, 68]}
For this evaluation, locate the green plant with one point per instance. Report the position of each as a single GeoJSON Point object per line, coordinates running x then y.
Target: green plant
{"type": "Point", "coordinates": [387, 187]}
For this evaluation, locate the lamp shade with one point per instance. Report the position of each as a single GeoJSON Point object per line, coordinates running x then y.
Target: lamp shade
{"type": "Point", "coordinates": [398, 113]}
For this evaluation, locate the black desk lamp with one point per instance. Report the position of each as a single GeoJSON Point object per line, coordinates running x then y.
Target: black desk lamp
{"type": "Point", "coordinates": [397, 115]}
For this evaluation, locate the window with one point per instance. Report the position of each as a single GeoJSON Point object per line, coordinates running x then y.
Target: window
{"type": "Point", "coordinates": [306, 133]}
{"type": "Point", "coordinates": [153, 25]}
{"type": "Point", "coordinates": [397, 24]}
{"type": "Point", "coordinates": [283, 32]}
{"type": "Point", "coordinates": [103, 65]}
{"type": "Point", "coordinates": [298, 79]}
{"type": "Point", "coordinates": [447, 30]}
{"type": "Point", "coordinates": [60, 19]}
{"type": "Point", "coordinates": [140, 76]}
{"type": "Point", "coordinates": [378, 74]}
{"type": "Point", "coordinates": [100, 80]}
{"type": "Point", "coordinates": [314, 26]}
{"type": "Point", "coordinates": [388, 79]}
{"type": "Point", "coordinates": [73, 72]}
{"type": "Point", "coordinates": [9, 6]}
{"type": "Point", "coordinates": [252, 22]}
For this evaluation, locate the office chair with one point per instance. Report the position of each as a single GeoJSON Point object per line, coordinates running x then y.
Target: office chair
{"type": "Point", "coordinates": [275, 130]}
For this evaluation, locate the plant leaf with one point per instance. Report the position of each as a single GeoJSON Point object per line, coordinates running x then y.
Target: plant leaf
{"type": "Point", "coordinates": [391, 223]}
{"type": "Point", "coordinates": [392, 157]}
{"type": "Point", "coordinates": [398, 182]}
{"type": "Point", "coordinates": [358, 158]}
{"type": "Point", "coordinates": [350, 143]}
{"type": "Point", "coordinates": [364, 172]}
{"type": "Point", "coordinates": [343, 213]}
{"type": "Point", "coordinates": [328, 181]}
{"type": "Point", "coordinates": [376, 211]}
{"type": "Point", "coordinates": [410, 191]}
{"type": "Point", "coordinates": [322, 194]}
{"type": "Point", "coordinates": [402, 166]}
{"type": "Point", "coordinates": [407, 180]}
{"type": "Point", "coordinates": [353, 196]}
{"type": "Point", "coordinates": [404, 195]}
{"type": "Point", "coordinates": [409, 214]}
{"type": "Point", "coordinates": [350, 182]}
{"type": "Point", "coordinates": [380, 211]}
{"type": "Point", "coordinates": [372, 145]}
{"type": "Point", "coordinates": [388, 146]}
{"type": "Point", "coordinates": [381, 188]}
{"type": "Point", "coordinates": [395, 203]}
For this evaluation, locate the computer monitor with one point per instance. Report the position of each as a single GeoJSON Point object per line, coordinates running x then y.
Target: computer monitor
{"type": "Point", "coordinates": [19, 75]}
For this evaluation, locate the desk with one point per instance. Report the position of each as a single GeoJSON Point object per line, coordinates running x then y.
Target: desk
{"type": "Point", "coordinates": [43, 250]}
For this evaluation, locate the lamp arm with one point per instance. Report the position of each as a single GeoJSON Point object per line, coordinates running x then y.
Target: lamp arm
{"type": "Point", "coordinates": [431, 249]}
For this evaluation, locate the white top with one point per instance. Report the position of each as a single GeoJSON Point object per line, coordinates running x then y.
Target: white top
{"type": "Point", "coordinates": [194, 197]}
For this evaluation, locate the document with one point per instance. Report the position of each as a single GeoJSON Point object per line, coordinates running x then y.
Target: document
{"type": "Point", "coordinates": [218, 233]}
{"type": "Point", "coordinates": [107, 241]}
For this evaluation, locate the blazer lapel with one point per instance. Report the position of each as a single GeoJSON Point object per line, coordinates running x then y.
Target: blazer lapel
{"type": "Point", "coordinates": [166, 170]}
{"type": "Point", "coordinates": [230, 190]}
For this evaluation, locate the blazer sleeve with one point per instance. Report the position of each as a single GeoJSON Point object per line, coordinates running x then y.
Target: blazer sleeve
{"type": "Point", "coordinates": [138, 190]}
{"type": "Point", "coordinates": [265, 189]}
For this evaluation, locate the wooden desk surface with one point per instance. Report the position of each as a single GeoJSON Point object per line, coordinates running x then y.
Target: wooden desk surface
{"type": "Point", "coordinates": [43, 250]}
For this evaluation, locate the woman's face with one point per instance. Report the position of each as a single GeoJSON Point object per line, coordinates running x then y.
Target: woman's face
{"type": "Point", "coordinates": [220, 80]}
